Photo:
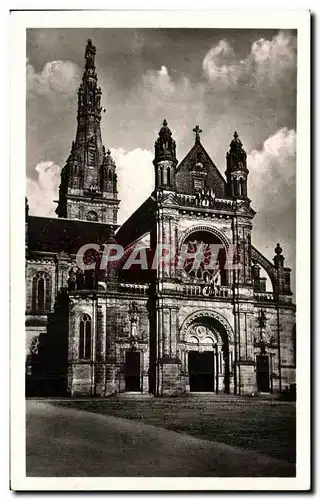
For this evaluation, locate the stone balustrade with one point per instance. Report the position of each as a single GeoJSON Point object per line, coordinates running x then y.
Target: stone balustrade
{"type": "Point", "coordinates": [264, 297]}
{"type": "Point", "coordinates": [139, 289]}
{"type": "Point", "coordinates": [204, 202]}
{"type": "Point", "coordinates": [206, 291]}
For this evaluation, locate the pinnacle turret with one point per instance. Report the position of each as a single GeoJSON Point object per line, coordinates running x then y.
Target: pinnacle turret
{"type": "Point", "coordinates": [165, 145]}
{"type": "Point", "coordinates": [237, 171]}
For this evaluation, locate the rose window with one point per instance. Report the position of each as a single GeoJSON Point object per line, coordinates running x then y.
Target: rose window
{"type": "Point", "coordinates": [206, 258]}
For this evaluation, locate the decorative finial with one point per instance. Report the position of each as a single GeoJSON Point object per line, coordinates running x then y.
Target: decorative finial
{"type": "Point", "coordinates": [165, 146]}
{"type": "Point", "coordinates": [108, 152]}
{"type": "Point", "coordinates": [236, 144]}
{"type": "Point", "coordinates": [165, 131]}
{"type": "Point", "coordinates": [197, 131]}
{"type": "Point", "coordinates": [278, 249]}
{"type": "Point", "coordinates": [90, 53]}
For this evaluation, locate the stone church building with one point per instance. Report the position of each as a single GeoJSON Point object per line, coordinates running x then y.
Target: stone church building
{"type": "Point", "coordinates": [165, 329]}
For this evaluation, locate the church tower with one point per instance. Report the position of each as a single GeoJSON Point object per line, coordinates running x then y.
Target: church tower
{"type": "Point", "coordinates": [88, 189]}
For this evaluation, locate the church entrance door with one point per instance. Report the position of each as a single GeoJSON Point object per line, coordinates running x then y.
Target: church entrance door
{"type": "Point", "coordinates": [132, 371]}
{"type": "Point", "coordinates": [263, 373]}
{"type": "Point", "coordinates": [201, 371]}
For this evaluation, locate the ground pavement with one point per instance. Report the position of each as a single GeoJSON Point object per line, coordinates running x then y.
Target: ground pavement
{"type": "Point", "coordinates": [67, 442]}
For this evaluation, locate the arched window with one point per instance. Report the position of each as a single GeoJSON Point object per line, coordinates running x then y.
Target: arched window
{"type": "Point", "coordinates": [110, 175]}
{"type": "Point", "coordinates": [85, 337]}
{"type": "Point", "coordinates": [161, 176]}
{"type": "Point", "coordinates": [242, 187]}
{"type": "Point", "coordinates": [168, 176]}
{"type": "Point", "coordinates": [235, 187]}
{"type": "Point", "coordinates": [41, 292]}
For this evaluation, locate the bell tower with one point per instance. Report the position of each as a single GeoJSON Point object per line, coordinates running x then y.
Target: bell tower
{"type": "Point", "coordinates": [237, 171]}
{"type": "Point", "coordinates": [165, 160]}
{"type": "Point", "coordinates": [88, 189]}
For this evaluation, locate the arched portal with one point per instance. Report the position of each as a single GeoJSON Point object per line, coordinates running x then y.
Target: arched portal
{"type": "Point", "coordinates": [207, 352]}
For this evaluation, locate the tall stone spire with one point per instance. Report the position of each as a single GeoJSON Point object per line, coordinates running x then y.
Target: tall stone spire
{"type": "Point", "coordinates": [88, 188]}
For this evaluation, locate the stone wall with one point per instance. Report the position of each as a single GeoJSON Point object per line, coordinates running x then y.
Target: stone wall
{"type": "Point", "coordinates": [112, 337]}
{"type": "Point", "coordinates": [106, 212]}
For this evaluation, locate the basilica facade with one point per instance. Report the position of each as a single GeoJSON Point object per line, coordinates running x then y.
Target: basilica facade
{"type": "Point", "coordinates": [165, 327]}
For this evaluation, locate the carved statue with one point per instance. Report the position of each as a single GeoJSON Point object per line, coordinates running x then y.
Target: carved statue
{"type": "Point", "coordinates": [72, 280]}
{"type": "Point", "coordinates": [133, 311]}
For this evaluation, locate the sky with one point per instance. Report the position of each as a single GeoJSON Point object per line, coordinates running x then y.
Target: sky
{"type": "Point", "coordinates": [223, 80]}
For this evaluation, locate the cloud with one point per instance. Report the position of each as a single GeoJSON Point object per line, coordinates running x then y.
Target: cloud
{"type": "Point", "coordinates": [56, 77]}
{"type": "Point", "coordinates": [51, 111]}
{"type": "Point", "coordinates": [220, 64]}
{"type": "Point", "coordinates": [273, 167]}
{"type": "Point", "coordinates": [135, 179]}
{"type": "Point", "coordinates": [267, 62]}
{"type": "Point", "coordinates": [160, 94]}
{"type": "Point", "coordinates": [272, 187]}
{"type": "Point", "coordinates": [42, 192]}
{"type": "Point", "coordinates": [272, 59]}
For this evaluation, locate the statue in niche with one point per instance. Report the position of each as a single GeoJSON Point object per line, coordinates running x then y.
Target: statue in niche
{"type": "Point", "coordinates": [133, 312]}
{"type": "Point", "coordinates": [80, 279]}
{"type": "Point", "coordinates": [72, 281]}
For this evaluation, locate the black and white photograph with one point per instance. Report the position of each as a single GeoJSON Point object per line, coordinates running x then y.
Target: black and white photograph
{"type": "Point", "coordinates": [158, 212]}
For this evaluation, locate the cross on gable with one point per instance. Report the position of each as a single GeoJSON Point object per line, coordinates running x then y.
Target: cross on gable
{"type": "Point", "coordinates": [197, 131]}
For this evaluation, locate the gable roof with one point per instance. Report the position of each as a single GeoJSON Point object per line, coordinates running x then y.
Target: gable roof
{"type": "Point", "coordinates": [214, 178]}
{"type": "Point", "coordinates": [54, 235]}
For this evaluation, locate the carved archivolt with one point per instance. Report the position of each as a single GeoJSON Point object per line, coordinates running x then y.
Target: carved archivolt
{"type": "Point", "coordinates": [205, 314]}
{"type": "Point", "coordinates": [208, 229]}
{"type": "Point", "coordinates": [202, 335]}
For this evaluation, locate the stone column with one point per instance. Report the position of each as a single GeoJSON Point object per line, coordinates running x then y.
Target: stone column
{"type": "Point", "coordinates": [166, 332]}
{"type": "Point", "coordinates": [169, 367]}
{"type": "Point", "coordinates": [145, 370]}
{"type": "Point", "coordinates": [215, 367]}
{"type": "Point", "coordinates": [101, 376]}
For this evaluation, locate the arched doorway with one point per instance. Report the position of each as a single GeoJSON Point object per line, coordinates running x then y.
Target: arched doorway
{"type": "Point", "coordinates": [207, 353]}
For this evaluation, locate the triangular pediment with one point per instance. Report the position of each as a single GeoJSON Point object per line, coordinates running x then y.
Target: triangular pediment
{"type": "Point", "coordinates": [169, 199]}
{"type": "Point", "coordinates": [63, 256]}
{"type": "Point", "coordinates": [197, 163]}
{"type": "Point", "coordinates": [246, 211]}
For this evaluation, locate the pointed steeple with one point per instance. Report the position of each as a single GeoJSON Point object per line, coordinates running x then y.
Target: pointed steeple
{"type": "Point", "coordinates": [88, 183]}
{"type": "Point", "coordinates": [89, 109]}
